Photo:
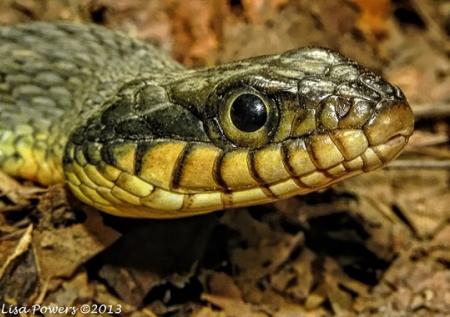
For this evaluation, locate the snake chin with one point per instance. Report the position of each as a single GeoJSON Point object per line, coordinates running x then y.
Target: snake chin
{"type": "Point", "coordinates": [391, 149]}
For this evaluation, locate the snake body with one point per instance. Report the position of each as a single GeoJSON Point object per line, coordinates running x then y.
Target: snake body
{"type": "Point", "coordinates": [133, 133]}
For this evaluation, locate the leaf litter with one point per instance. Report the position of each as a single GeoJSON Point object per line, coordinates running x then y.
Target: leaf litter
{"type": "Point", "coordinates": [374, 245]}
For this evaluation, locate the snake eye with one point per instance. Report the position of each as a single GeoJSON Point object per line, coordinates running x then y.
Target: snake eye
{"type": "Point", "coordinates": [248, 112]}
{"type": "Point", "coordinates": [248, 118]}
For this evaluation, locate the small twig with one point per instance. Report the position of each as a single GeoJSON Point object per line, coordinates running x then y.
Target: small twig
{"type": "Point", "coordinates": [423, 139]}
{"type": "Point", "coordinates": [431, 110]}
{"type": "Point", "coordinates": [440, 153]}
{"type": "Point", "coordinates": [419, 164]}
{"type": "Point", "coordinates": [436, 33]}
{"type": "Point", "coordinates": [21, 247]}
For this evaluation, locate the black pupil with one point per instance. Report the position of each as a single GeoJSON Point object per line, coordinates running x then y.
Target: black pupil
{"type": "Point", "coordinates": [248, 112]}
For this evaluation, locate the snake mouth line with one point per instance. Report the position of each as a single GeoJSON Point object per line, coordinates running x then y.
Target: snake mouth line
{"type": "Point", "coordinates": [118, 192]}
{"type": "Point", "coordinates": [371, 158]}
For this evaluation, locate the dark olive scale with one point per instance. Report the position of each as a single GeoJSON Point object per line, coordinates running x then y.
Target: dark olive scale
{"type": "Point", "coordinates": [248, 112]}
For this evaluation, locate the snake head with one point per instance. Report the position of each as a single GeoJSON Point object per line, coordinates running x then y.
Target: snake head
{"type": "Point", "coordinates": [244, 133]}
{"type": "Point", "coordinates": [310, 115]}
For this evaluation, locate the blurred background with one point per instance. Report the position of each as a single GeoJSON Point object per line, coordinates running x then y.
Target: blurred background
{"type": "Point", "coordinates": [376, 245]}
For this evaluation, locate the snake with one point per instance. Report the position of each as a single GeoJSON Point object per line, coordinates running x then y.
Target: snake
{"type": "Point", "coordinates": [133, 133]}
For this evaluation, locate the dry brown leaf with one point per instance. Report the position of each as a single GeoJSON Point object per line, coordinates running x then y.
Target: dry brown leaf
{"type": "Point", "coordinates": [233, 307]}
{"type": "Point", "coordinates": [196, 40]}
{"type": "Point", "coordinates": [222, 284]}
{"type": "Point", "coordinates": [17, 193]}
{"type": "Point", "coordinates": [267, 249]}
{"type": "Point", "coordinates": [19, 273]}
{"type": "Point", "coordinates": [103, 295]}
{"type": "Point", "coordinates": [208, 312]}
{"type": "Point", "coordinates": [373, 17]}
{"type": "Point", "coordinates": [130, 284]}
{"type": "Point", "coordinates": [296, 278]}
{"type": "Point", "coordinates": [259, 10]}
{"type": "Point", "coordinates": [60, 252]}
{"type": "Point", "coordinates": [22, 246]}
{"type": "Point", "coordinates": [413, 283]}
{"type": "Point", "coordinates": [72, 292]}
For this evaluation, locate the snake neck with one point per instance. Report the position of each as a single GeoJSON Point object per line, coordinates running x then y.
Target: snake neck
{"type": "Point", "coordinates": [45, 93]}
